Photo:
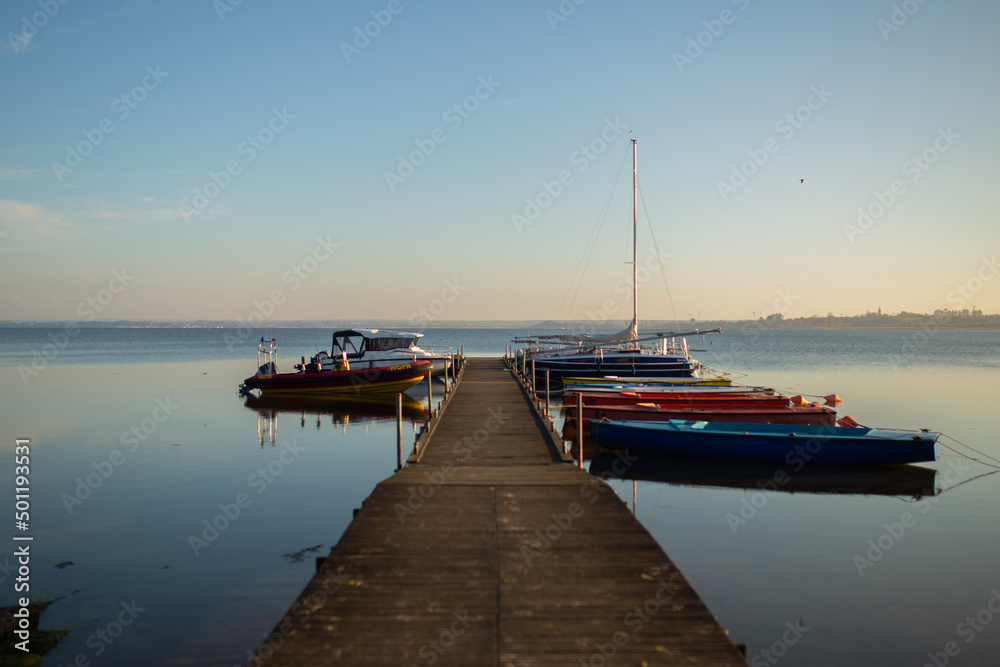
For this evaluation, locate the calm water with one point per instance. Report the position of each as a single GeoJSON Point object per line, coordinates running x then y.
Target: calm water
{"type": "Point", "coordinates": [162, 404]}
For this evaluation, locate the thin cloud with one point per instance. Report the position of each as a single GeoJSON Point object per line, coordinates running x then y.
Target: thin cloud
{"type": "Point", "coordinates": [26, 221]}
{"type": "Point", "coordinates": [139, 216]}
{"type": "Point", "coordinates": [20, 175]}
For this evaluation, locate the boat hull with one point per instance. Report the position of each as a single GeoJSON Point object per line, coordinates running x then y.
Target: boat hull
{"type": "Point", "coordinates": [630, 364]}
{"type": "Point", "coordinates": [773, 414]}
{"type": "Point", "coordinates": [615, 380]}
{"type": "Point", "coordinates": [769, 443]}
{"type": "Point", "coordinates": [699, 400]}
{"type": "Point", "coordinates": [359, 381]}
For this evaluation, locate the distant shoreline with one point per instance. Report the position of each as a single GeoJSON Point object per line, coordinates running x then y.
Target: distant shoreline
{"type": "Point", "coordinates": [922, 322]}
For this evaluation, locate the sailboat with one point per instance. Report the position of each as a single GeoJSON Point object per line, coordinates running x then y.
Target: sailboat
{"type": "Point", "coordinates": [618, 354]}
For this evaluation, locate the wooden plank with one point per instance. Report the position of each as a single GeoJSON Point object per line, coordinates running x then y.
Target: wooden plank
{"type": "Point", "coordinates": [491, 551]}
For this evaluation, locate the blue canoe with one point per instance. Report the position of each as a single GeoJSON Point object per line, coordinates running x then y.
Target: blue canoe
{"type": "Point", "coordinates": [769, 443]}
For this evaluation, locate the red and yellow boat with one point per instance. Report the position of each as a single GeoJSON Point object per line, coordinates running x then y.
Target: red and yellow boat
{"type": "Point", "coordinates": [311, 379]}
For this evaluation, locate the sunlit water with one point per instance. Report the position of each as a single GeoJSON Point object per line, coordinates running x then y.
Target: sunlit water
{"type": "Point", "coordinates": [162, 404]}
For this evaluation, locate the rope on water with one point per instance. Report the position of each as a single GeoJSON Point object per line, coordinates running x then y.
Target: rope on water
{"type": "Point", "coordinates": [971, 458]}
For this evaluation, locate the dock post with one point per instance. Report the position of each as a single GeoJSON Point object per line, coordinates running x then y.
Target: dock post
{"type": "Point", "coordinates": [399, 432]}
{"type": "Point", "coordinates": [533, 392]}
{"type": "Point", "coordinates": [579, 426]}
{"type": "Point", "coordinates": [547, 414]}
{"type": "Point", "coordinates": [430, 394]}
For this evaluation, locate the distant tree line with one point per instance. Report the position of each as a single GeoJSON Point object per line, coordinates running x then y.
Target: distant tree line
{"type": "Point", "coordinates": [940, 319]}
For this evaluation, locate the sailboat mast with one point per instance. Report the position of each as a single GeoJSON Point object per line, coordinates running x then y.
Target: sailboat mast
{"type": "Point", "coordinates": [635, 271]}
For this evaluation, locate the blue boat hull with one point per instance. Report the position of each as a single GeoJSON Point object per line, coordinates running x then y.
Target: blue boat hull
{"type": "Point", "coordinates": [628, 364]}
{"type": "Point", "coordinates": [768, 443]}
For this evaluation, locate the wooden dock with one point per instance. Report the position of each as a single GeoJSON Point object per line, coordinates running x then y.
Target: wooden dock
{"type": "Point", "coordinates": [489, 549]}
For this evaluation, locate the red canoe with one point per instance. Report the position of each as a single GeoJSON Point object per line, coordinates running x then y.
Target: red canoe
{"type": "Point", "coordinates": [758, 399]}
{"type": "Point", "coordinates": [787, 414]}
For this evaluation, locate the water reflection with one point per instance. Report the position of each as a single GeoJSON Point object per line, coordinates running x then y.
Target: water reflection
{"type": "Point", "coordinates": [343, 410]}
{"type": "Point", "coordinates": [900, 481]}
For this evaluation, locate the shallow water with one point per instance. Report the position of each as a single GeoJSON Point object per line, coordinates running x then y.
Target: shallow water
{"type": "Point", "coordinates": [133, 538]}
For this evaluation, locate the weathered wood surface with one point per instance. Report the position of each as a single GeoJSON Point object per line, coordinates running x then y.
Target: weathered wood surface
{"type": "Point", "coordinates": [492, 551]}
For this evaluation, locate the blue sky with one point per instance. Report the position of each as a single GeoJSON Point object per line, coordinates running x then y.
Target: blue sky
{"type": "Point", "coordinates": [292, 128]}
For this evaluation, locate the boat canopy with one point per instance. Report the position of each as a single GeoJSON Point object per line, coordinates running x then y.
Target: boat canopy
{"type": "Point", "coordinates": [359, 341]}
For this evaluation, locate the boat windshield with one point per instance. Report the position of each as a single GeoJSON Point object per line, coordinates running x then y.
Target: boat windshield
{"type": "Point", "coordinates": [378, 344]}
{"type": "Point", "coordinates": [352, 345]}
{"type": "Point", "coordinates": [356, 343]}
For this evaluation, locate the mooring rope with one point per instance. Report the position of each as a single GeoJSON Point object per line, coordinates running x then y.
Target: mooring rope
{"type": "Point", "coordinates": [944, 435]}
